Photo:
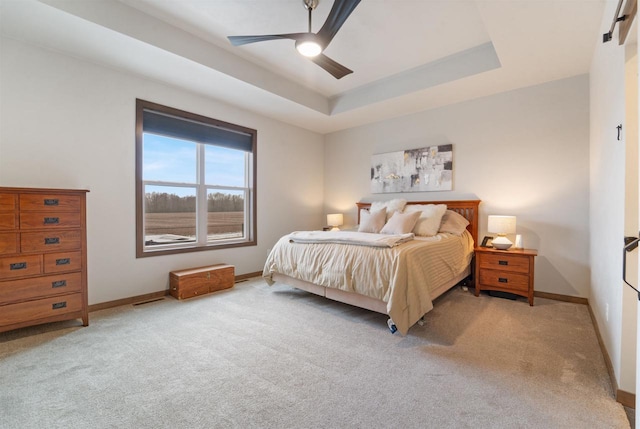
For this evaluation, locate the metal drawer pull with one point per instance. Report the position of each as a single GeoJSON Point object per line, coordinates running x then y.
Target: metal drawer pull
{"type": "Point", "coordinates": [63, 261]}
{"type": "Point", "coordinates": [18, 266]}
{"type": "Point", "coordinates": [502, 280]}
{"type": "Point", "coordinates": [51, 220]}
{"type": "Point", "coordinates": [51, 201]}
{"type": "Point", "coordinates": [58, 283]}
{"type": "Point", "coordinates": [57, 305]}
{"type": "Point", "coordinates": [503, 262]}
{"type": "Point", "coordinates": [52, 240]}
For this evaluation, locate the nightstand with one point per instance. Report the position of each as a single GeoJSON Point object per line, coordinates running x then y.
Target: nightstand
{"type": "Point", "coordinates": [505, 271]}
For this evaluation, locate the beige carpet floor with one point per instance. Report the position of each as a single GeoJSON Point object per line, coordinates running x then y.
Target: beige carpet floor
{"type": "Point", "coordinates": [274, 357]}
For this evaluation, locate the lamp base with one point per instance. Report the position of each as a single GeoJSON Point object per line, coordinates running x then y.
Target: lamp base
{"type": "Point", "coordinates": [501, 243]}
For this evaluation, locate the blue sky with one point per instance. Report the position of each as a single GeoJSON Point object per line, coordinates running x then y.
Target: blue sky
{"type": "Point", "coordinates": [174, 160]}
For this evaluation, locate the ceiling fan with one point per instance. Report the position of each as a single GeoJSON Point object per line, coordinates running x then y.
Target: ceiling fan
{"type": "Point", "coordinates": [311, 44]}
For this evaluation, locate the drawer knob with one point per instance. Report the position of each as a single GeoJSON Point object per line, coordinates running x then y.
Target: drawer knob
{"type": "Point", "coordinates": [503, 262]}
{"type": "Point", "coordinates": [502, 280]}
{"type": "Point", "coordinates": [51, 201]}
{"type": "Point", "coordinates": [58, 283]}
{"type": "Point", "coordinates": [51, 240]}
{"type": "Point", "coordinates": [51, 220]}
{"type": "Point", "coordinates": [63, 261]}
{"type": "Point", "coordinates": [18, 266]}
{"type": "Point", "coordinates": [58, 305]}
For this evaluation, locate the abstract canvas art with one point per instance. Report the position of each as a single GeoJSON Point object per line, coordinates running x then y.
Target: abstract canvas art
{"type": "Point", "coordinates": [414, 170]}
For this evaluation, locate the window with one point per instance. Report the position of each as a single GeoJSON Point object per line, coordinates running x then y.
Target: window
{"type": "Point", "coordinates": [195, 182]}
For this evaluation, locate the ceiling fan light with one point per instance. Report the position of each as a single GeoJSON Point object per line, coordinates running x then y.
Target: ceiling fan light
{"type": "Point", "coordinates": [309, 48]}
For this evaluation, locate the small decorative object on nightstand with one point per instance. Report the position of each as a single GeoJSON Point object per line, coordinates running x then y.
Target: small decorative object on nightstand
{"type": "Point", "coordinates": [505, 271]}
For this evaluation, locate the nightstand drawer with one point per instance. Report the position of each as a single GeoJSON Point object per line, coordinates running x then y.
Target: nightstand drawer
{"type": "Point", "coordinates": [505, 262]}
{"type": "Point", "coordinates": [504, 280]}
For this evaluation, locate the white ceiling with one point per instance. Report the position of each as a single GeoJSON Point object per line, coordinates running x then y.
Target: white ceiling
{"type": "Point", "coordinates": [407, 55]}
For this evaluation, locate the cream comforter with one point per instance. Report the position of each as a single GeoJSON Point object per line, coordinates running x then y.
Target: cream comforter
{"type": "Point", "coordinates": [402, 276]}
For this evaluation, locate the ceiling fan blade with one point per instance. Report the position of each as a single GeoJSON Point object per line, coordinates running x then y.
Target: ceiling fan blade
{"type": "Point", "coordinates": [339, 13]}
{"type": "Point", "coordinates": [243, 40]}
{"type": "Point", "coordinates": [337, 70]}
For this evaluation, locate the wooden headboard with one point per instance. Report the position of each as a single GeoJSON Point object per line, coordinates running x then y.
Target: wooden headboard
{"type": "Point", "coordinates": [467, 208]}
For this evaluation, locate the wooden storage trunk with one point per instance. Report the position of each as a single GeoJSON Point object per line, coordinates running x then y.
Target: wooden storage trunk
{"type": "Point", "coordinates": [199, 281]}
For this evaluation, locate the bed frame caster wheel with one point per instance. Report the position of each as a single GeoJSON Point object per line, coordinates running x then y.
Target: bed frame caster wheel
{"type": "Point", "coordinates": [392, 326]}
{"type": "Point", "coordinates": [421, 321]}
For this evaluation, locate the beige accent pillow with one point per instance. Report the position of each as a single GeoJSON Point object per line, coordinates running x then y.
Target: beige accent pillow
{"type": "Point", "coordinates": [391, 206]}
{"type": "Point", "coordinates": [453, 223]}
{"type": "Point", "coordinates": [430, 217]}
{"type": "Point", "coordinates": [400, 223]}
{"type": "Point", "coordinates": [372, 221]}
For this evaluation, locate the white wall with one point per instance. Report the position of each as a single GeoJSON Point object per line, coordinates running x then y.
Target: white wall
{"type": "Point", "coordinates": [523, 153]}
{"type": "Point", "coordinates": [607, 196]}
{"type": "Point", "coordinates": [66, 123]}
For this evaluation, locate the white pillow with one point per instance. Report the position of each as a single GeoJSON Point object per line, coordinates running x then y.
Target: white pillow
{"type": "Point", "coordinates": [400, 223]}
{"type": "Point", "coordinates": [453, 223]}
{"type": "Point", "coordinates": [391, 206]}
{"type": "Point", "coordinates": [430, 217]}
{"type": "Point", "coordinates": [372, 221]}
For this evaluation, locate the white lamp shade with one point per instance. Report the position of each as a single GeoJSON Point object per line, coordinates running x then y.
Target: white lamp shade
{"type": "Point", "coordinates": [502, 224]}
{"type": "Point", "coordinates": [335, 219]}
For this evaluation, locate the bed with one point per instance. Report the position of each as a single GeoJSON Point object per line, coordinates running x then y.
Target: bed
{"type": "Point", "coordinates": [401, 280]}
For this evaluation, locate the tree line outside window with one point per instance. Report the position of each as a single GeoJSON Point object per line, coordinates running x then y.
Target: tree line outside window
{"type": "Point", "coordinates": [162, 202]}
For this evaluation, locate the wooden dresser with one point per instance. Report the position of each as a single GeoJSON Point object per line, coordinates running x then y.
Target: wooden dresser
{"type": "Point", "coordinates": [508, 271]}
{"type": "Point", "coordinates": [43, 256]}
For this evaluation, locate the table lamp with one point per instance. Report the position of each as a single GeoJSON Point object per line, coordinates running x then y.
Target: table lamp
{"type": "Point", "coordinates": [334, 221]}
{"type": "Point", "coordinates": [502, 225]}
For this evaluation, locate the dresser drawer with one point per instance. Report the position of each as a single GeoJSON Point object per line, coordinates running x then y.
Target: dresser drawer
{"type": "Point", "coordinates": [505, 280]}
{"type": "Point", "coordinates": [7, 202]}
{"type": "Point", "coordinates": [506, 262]}
{"type": "Point", "coordinates": [50, 202]}
{"type": "Point", "coordinates": [31, 220]}
{"type": "Point", "coordinates": [20, 266]}
{"type": "Point", "coordinates": [40, 309]}
{"type": "Point", "coordinates": [50, 241]}
{"type": "Point", "coordinates": [8, 243]}
{"type": "Point", "coordinates": [59, 262]}
{"type": "Point", "coordinates": [8, 220]}
{"type": "Point", "coordinates": [39, 287]}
